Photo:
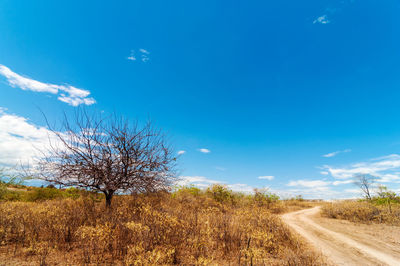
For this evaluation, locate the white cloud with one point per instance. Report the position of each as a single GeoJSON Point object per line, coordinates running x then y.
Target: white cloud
{"type": "Point", "coordinates": [75, 101]}
{"type": "Point", "coordinates": [199, 181]}
{"type": "Point", "coordinates": [267, 177]}
{"type": "Point", "coordinates": [132, 57]}
{"type": "Point", "coordinates": [68, 94]}
{"type": "Point", "coordinates": [321, 192]}
{"type": "Point", "coordinates": [241, 188]}
{"type": "Point", "coordinates": [324, 173]}
{"type": "Point", "coordinates": [313, 189]}
{"type": "Point", "coordinates": [382, 167]}
{"type": "Point", "coordinates": [145, 58]}
{"type": "Point", "coordinates": [389, 178]}
{"type": "Point", "coordinates": [220, 168]}
{"type": "Point", "coordinates": [144, 55]}
{"type": "Point", "coordinates": [20, 139]}
{"type": "Point", "coordinates": [332, 154]}
{"type": "Point", "coordinates": [203, 182]}
{"type": "Point", "coordinates": [308, 183]}
{"type": "Point", "coordinates": [337, 183]}
{"type": "Point", "coordinates": [353, 190]}
{"type": "Point", "coordinates": [322, 20]}
{"type": "Point", "coordinates": [144, 51]}
{"type": "Point", "coordinates": [204, 150]}
{"type": "Point", "coordinates": [181, 152]}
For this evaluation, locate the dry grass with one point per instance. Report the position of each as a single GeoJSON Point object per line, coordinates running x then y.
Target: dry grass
{"type": "Point", "coordinates": [187, 227]}
{"type": "Point", "coordinates": [363, 211]}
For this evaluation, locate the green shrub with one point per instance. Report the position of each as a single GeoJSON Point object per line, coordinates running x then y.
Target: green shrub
{"type": "Point", "coordinates": [220, 193]}
{"type": "Point", "coordinates": [195, 191]}
{"type": "Point", "coordinates": [72, 192]}
{"type": "Point", "coordinates": [264, 198]}
{"type": "Point", "coordinates": [3, 190]}
{"type": "Point", "coordinates": [41, 194]}
{"type": "Point", "coordinates": [12, 196]}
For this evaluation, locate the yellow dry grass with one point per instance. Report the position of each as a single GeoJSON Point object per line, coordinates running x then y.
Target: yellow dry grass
{"type": "Point", "coordinates": [186, 228]}
{"type": "Point", "coordinates": [363, 211]}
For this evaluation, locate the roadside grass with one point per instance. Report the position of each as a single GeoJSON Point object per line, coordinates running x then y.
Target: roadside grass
{"type": "Point", "coordinates": [363, 211]}
{"type": "Point", "coordinates": [48, 226]}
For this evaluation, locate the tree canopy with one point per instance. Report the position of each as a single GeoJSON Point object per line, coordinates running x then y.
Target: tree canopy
{"type": "Point", "coordinates": [109, 155]}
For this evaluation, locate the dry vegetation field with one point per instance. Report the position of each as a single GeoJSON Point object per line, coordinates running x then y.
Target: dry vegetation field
{"type": "Point", "coordinates": [48, 226]}
{"type": "Point", "coordinates": [374, 211]}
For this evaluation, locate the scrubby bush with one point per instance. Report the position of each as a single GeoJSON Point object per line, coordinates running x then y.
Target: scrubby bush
{"type": "Point", "coordinates": [195, 191]}
{"type": "Point", "coordinates": [220, 193]}
{"type": "Point", "coordinates": [384, 207]}
{"type": "Point", "coordinates": [40, 194]}
{"type": "Point", "coordinates": [363, 211]}
{"type": "Point", "coordinates": [33, 194]}
{"type": "Point", "coordinates": [263, 197]}
{"type": "Point", "coordinates": [3, 191]}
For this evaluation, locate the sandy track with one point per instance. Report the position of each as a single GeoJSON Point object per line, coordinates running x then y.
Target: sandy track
{"type": "Point", "coordinates": [344, 243]}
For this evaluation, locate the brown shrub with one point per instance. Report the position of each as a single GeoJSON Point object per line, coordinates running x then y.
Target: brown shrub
{"type": "Point", "coordinates": [363, 211]}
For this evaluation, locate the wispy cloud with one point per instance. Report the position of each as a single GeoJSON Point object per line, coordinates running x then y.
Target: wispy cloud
{"type": "Point", "coordinates": [204, 182]}
{"type": "Point", "coordinates": [344, 182]}
{"type": "Point", "coordinates": [181, 152]}
{"type": "Point", "coordinates": [314, 189]}
{"type": "Point", "coordinates": [386, 168]}
{"type": "Point", "coordinates": [331, 11]}
{"type": "Point", "coordinates": [317, 193]}
{"type": "Point", "coordinates": [142, 53]}
{"type": "Point", "coordinates": [308, 183]}
{"type": "Point", "coordinates": [322, 20]}
{"type": "Point", "coordinates": [68, 94]}
{"type": "Point", "coordinates": [203, 150]}
{"type": "Point", "coordinates": [220, 168]}
{"type": "Point", "coordinates": [132, 57]}
{"type": "Point", "coordinates": [332, 154]}
{"type": "Point", "coordinates": [353, 190]}
{"type": "Point", "coordinates": [199, 181]}
{"type": "Point", "coordinates": [266, 177]}
{"type": "Point", "coordinates": [241, 188]}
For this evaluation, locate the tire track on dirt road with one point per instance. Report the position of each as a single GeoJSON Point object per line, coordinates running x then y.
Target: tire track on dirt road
{"type": "Point", "coordinates": [338, 248]}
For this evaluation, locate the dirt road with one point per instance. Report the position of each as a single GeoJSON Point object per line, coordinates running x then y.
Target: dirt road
{"type": "Point", "coordinates": [346, 243]}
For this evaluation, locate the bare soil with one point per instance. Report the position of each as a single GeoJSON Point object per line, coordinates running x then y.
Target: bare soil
{"type": "Point", "coordinates": [344, 242]}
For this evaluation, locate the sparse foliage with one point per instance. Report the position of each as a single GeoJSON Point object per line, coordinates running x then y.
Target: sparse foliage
{"type": "Point", "coordinates": [10, 177]}
{"type": "Point", "coordinates": [264, 198]}
{"type": "Point", "coordinates": [108, 155]}
{"type": "Point", "coordinates": [365, 182]}
{"type": "Point", "coordinates": [220, 193]}
{"type": "Point", "coordinates": [387, 197]}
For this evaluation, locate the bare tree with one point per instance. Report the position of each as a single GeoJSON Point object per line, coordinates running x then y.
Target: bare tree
{"type": "Point", "coordinates": [108, 155]}
{"type": "Point", "coordinates": [365, 183]}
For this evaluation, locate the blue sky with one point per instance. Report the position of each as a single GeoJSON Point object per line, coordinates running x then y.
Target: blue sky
{"type": "Point", "coordinates": [268, 87]}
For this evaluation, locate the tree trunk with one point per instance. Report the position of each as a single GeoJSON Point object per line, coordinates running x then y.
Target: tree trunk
{"type": "Point", "coordinates": [109, 195]}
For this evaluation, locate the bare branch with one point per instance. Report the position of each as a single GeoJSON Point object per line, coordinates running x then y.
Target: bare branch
{"type": "Point", "coordinates": [109, 155]}
{"type": "Point", "coordinates": [365, 183]}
